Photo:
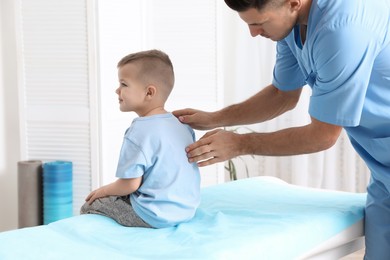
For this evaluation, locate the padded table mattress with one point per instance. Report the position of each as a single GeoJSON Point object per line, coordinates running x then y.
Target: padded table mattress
{"type": "Point", "coordinates": [255, 218]}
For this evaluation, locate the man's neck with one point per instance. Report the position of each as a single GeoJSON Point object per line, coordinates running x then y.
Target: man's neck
{"type": "Point", "coordinates": [304, 12]}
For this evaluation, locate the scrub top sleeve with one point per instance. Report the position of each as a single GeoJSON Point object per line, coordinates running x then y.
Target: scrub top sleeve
{"type": "Point", "coordinates": [132, 162]}
{"type": "Point", "coordinates": [287, 74]}
{"type": "Point", "coordinates": [343, 58]}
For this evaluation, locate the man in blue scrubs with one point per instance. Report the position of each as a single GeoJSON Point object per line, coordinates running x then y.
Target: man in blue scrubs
{"type": "Point", "coordinates": [341, 49]}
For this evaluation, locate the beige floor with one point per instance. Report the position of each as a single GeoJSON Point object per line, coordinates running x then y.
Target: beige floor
{"type": "Point", "coordinates": [355, 256]}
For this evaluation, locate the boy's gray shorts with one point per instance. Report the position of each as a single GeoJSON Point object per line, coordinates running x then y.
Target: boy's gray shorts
{"type": "Point", "coordinates": [116, 207]}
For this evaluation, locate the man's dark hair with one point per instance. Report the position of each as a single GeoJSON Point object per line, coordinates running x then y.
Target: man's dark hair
{"type": "Point", "coordinates": [244, 5]}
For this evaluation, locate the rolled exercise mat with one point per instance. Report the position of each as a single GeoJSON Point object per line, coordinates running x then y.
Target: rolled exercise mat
{"type": "Point", "coordinates": [30, 193]}
{"type": "Point", "coordinates": [57, 191]}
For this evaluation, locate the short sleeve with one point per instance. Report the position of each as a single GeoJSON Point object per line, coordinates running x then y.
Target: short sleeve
{"type": "Point", "coordinates": [343, 60]}
{"type": "Point", "coordinates": [287, 74]}
{"type": "Point", "coordinates": [131, 162]}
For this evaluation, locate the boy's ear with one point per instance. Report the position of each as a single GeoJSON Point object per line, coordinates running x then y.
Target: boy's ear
{"type": "Point", "coordinates": [151, 91]}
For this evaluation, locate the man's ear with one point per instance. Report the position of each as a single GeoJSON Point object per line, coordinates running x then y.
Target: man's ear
{"type": "Point", "coordinates": [151, 91]}
{"type": "Point", "coordinates": [295, 4]}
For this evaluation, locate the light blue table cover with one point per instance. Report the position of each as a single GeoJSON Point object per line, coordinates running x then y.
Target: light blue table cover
{"type": "Point", "coordinates": [256, 218]}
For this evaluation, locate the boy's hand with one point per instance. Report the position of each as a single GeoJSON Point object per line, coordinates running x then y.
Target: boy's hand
{"type": "Point", "coordinates": [98, 193]}
{"type": "Point", "coordinates": [120, 187]}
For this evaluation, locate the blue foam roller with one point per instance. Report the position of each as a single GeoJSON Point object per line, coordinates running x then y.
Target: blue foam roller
{"type": "Point", "coordinates": [57, 191]}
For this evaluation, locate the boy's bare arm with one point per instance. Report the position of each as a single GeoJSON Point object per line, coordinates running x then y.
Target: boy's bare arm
{"type": "Point", "coordinates": [120, 187]}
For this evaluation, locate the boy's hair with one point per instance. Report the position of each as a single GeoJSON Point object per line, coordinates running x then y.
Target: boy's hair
{"type": "Point", "coordinates": [154, 68]}
{"type": "Point", "coordinates": [244, 5]}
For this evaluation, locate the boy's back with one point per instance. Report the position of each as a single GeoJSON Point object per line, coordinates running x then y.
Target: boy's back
{"type": "Point", "coordinates": [154, 148]}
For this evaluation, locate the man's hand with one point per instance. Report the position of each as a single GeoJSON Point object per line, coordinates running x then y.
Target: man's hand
{"type": "Point", "coordinates": [215, 146]}
{"type": "Point", "coordinates": [197, 119]}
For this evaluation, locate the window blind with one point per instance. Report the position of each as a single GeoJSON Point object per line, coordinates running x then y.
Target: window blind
{"type": "Point", "coordinates": [55, 90]}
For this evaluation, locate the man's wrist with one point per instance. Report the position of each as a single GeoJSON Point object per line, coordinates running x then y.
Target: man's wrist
{"type": "Point", "coordinates": [247, 144]}
{"type": "Point", "coordinates": [220, 119]}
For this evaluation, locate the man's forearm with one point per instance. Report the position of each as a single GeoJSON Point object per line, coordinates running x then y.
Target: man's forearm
{"type": "Point", "coordinates": [291, 141]}
{"type": "Point", "coordinates": [265, 105]}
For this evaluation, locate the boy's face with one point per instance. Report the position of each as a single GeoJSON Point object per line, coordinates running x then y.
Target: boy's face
{"type": "Point", "coordinates": [131, 93]}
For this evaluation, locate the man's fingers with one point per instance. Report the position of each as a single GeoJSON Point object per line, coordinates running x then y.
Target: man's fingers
{"type": "Point", "coordinates": [181, 112]}
{"type": "Point", "coordinates": [198, 154]}
{"type": "Point", "coordinates": [209, 162]}
{"type": "Point", "coordinates": [184, 115]}
{"type": "Point", "coordinates": [197, 147]}
{"type": "Point", "coordinates": [203, 141]}
{"type": "Point", "coordinates": [202, 151]}
{"type": "Point", "coordinates": [210, 133]}
{"type": "Point", "coordinates": [201, 157]}
{"type": "Point", "coordinates": [185, 119]}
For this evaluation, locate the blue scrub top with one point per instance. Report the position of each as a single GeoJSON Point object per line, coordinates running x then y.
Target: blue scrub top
{"type": "Point", "coordinates": [346, 62]}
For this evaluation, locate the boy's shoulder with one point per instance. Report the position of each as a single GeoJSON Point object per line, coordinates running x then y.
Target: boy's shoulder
{"type": "Point", "coordinates": [158, 125]}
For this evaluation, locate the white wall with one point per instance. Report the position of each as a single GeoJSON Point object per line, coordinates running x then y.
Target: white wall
{"type": "Point", "coordinates": [248, 61]}
{"type": "Point", "coordinates": [9, 129]}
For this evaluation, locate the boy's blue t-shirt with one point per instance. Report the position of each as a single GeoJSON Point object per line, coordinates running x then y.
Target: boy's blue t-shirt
{"type": "Point", "coordinates": [154, 148]}
{"type": "Point", "coordinates": [345, 60]}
